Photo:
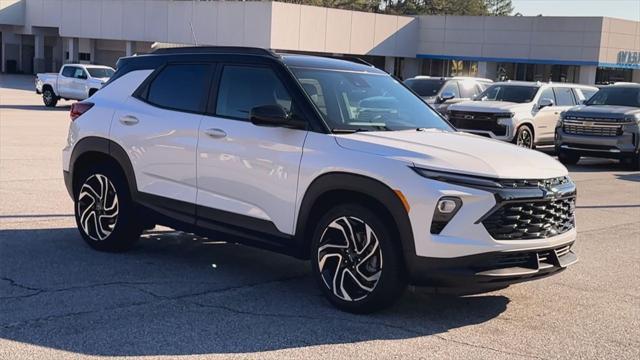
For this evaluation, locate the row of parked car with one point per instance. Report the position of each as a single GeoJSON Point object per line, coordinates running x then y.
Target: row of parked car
{"type": "Point", "coordinates": [579, 120]}
{"type": "Point", "coordinates": [529, 114]}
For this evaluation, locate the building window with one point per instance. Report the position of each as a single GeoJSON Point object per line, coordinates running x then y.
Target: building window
{"type": "Point", "coordinates": [606, 76]}
{"type": "Point", "coordinates": [84, 56]}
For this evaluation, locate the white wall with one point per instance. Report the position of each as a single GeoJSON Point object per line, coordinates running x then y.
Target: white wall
{"type": "Point", "coordinates": [316, 29]}
{"type": "Point", "coordinates": [12, 12]}
{"type": "Point", "coordinates": [510, 37]}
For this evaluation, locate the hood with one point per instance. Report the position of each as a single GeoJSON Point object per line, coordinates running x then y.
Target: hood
{"type": "Point", "coordinates": [456, 152]}
{"type": "Point", "coordinates": [602, 111]}
{"type": "Point", "coordinates": [488, 106]}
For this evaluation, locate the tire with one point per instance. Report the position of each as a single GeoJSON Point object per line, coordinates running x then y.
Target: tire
{"type": "Point", "coordinates": [568, 157]}
{"type": "Point", "coordinates": [106, 223]}
{"type": "Point", "coordinates": [633, 163]}
{"type": "Point", "coordinates": [49, 97]}
{"type": "Point", "coordinates": [349, 268]}
{"type": "Point", "coordinates": [524, 137]}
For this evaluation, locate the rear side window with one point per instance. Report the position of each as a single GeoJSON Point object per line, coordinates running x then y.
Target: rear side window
{"type": "Point", "coordinates": [564, 96]}
{"type": "Point", "coordinates": [243, 87]}
{"type": "Point", "coordinates": [69, 71]}
{"type": "Point", "coordinates": [182, 87]}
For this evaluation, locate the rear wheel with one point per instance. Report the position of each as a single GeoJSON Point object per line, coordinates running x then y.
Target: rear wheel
{"type": "Point", "coordinates": [524, 137]}
{"type": "Point", "coordinates": [568, 157]}
{"type": "Point", "coordinates": [49, 97]}
{"type": "Point", "coordinates": [104, 211]}
{"type": "Point", "coordinates": [355, 261]}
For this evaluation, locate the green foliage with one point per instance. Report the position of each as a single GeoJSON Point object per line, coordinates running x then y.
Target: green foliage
{"type": "Point", "coordinates": [499, 7]}
{"type": "Point", "coordinates": [417, 7]}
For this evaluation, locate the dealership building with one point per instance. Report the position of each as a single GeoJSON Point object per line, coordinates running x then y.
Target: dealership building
{"type": "Point", "coordinates": [41, 35]}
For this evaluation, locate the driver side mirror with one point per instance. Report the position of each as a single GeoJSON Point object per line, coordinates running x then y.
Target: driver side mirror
{"type": "Point", "coordinates": [545, 103]}
{"type": "Point", "coordinates": [274, 115]}
{"type": "Point", "coordinates": [447, 95]}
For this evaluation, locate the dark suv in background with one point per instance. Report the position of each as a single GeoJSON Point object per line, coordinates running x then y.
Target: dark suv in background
{"type": "Point", "coordinates": [607, 125]}
{"type": "Point", "coordinates": [440, 92]}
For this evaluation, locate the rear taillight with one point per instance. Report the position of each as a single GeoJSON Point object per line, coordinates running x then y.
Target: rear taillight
{"type": "Point", "coordinates": [79, 108]}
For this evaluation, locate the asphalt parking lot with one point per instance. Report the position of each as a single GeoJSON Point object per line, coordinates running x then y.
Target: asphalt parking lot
{"type": "Point", "coordinates": [176, 295]}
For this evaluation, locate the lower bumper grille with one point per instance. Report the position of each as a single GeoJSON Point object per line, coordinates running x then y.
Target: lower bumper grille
{"type": "Point", "coordinates": [531, 219]}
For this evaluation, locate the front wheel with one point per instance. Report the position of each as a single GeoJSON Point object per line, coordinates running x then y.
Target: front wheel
{"type": "Point", "coordinates": [49, 98]}
{"type": "Point", "coordinates": [524, 137]}
{"type": "Point", "coordinates": [104, 211]}
{"type": "Point", "coordinates": [355, 260]}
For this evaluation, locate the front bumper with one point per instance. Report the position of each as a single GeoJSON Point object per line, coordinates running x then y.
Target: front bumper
{"type": "Point", "coordinates": [622, 146]}
{"type": "Point", "coordinates": [494, 270]}
{"type": "Point", "coordinates": [68, 182]}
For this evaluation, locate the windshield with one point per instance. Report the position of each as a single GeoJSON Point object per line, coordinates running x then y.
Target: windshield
{"type": "Point", "coordinates": [100, 72]}
{"type": "Point", "coordinates": [425, 87]}
{"type": "Point", "coordinates": [622, 96]}
{"type": "Point", "coordinates": [354, 101]}
{"type": "Point", "coordinates": [509, 93]}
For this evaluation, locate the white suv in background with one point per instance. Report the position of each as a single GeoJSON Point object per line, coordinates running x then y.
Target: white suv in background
{"type": "Point", "coordinates": [525, 113]}
{"type": "Point", "coordinates": [323, 159]}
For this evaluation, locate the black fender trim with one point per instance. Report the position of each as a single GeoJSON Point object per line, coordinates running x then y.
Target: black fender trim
{"type": "Point", "coordinates": [105, 147]}
{"type": "Point", "coordinates": [341, 181]}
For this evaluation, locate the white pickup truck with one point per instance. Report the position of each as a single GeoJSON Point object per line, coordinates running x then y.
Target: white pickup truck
{"type": "Point", "coordinates": [73, 82]}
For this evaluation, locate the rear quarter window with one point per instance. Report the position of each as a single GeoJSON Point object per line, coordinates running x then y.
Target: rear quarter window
{"type": "Point", "coordinates": [181, 87]}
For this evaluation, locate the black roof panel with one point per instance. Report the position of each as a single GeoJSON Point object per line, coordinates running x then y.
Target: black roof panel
{"type": "Point", "coordinates": [319, 62]}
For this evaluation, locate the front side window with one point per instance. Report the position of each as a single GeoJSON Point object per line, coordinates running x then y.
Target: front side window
{"type": "Point", "coordinates": [243, 87]}
{"type": "Point", "coordinates": [547, 94]}
{"type": "Point", "coordinates": [356, 101]}
{"type": "Point", "coordinates": [79, 74]}
{"type": "Point", "coordinates": [468, 89]}
{"type": "Point", "coordinates": [564, 96]}
{"type": "Point", "coordinates": [182, 87]}
{"type": "Point", "coordinates": [509, 93]}
{"type": "Point", "coordinates": [425, 87]}
{"type": "Point", "coordinates": [616, 95]}
{"type": "Point", "coordinates": [452, 88]}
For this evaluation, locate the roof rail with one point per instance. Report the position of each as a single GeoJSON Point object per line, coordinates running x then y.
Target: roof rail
{"type": "Point", "coordinates": [215, 50]}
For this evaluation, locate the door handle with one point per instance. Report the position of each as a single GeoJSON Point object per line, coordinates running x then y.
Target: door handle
{"type": "Point", "coordinates": [215, 133]}
{"type": "Point", "coordinates": [129, 120]}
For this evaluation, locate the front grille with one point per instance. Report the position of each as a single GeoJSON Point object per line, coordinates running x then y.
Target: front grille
{"type": "Point", "coordinates": [465, 120]}
{"type": "Point", "coordinates": [535, 259]}
{"type": "Point", "coordinates": [592, 130]}
{"type": "Point", "coordinates": [531, 219]}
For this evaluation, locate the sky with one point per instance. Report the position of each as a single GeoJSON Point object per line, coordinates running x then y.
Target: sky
{"type": "Point", "coordinates": [624, 9]}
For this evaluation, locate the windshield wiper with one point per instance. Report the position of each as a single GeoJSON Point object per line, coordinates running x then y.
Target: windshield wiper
{"type": "Point", "coordinates": [347, 131]}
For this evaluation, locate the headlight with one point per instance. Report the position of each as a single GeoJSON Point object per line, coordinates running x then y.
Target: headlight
{"type": "Point", "coordinates": [633, 117]}
{"type": "Point", "coordinates": [504, 121]}
{"type": "Point", "coordinates": [458, 179]}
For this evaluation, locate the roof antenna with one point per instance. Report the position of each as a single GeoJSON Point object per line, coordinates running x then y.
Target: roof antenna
{"type": "Point", "coordinates": [193, 33]}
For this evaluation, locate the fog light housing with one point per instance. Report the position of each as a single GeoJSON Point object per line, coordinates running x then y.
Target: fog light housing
{"type": "Point", "coordinates": [446, 209]}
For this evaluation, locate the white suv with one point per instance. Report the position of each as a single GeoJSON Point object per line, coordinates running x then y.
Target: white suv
{"type": "Point", "coordinates": [323, 159]}
{"type": "Point", "coordinates": [525, 113]}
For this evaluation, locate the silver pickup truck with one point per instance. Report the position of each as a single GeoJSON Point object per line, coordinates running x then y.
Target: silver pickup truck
{"type": "Point", "coordinates": [73, 82]}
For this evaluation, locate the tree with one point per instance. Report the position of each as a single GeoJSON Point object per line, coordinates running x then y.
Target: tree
{"type": "Point", "coordinates": [434, 7]}
{"type": "Point", "coordinates": [499, 7]}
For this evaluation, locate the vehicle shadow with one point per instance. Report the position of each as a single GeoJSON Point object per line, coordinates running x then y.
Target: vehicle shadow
{"type": "Point", "coordinates": [35, 107]}
{"type": "Point", "coordinates": [176, 294]}
{"type": "Point", "coordinates": [596, 165]}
